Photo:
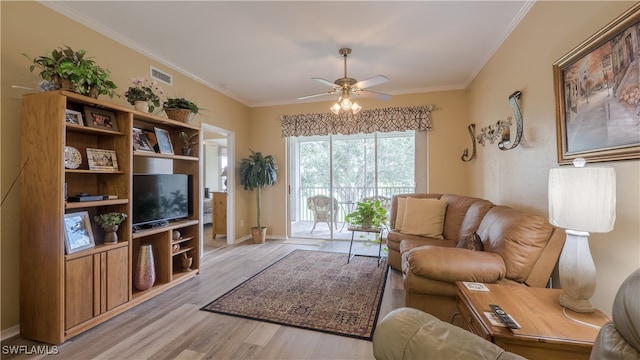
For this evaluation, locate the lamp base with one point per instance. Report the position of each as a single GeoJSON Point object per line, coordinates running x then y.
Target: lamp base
{"type": "Point", "coordinates": [577, 305]}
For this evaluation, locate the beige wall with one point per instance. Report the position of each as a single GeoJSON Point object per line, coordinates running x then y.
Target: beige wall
{"type": "Point", "coordinates": [28, 27]}
{"type": "Point", "coordinates": [519, 177]}
{"type": "Point", "coordinates": [445, 143]}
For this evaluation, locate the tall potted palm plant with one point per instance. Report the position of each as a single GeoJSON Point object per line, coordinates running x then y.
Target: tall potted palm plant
{"type": "Point", "coordinates": [256, 172]}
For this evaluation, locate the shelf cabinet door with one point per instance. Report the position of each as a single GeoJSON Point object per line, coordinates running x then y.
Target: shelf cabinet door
{"type": "Point", "coordinates": [95, 284]}
{"type": "Point", "coordinates": [79, 290]}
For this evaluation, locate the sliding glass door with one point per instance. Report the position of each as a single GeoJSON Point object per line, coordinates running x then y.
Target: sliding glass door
{"type": "Point", "coordinates": [330, 174]}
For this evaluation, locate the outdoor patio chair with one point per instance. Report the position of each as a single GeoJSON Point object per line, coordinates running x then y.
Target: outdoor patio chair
{"type": "Point", "coordinates": [323, 209]}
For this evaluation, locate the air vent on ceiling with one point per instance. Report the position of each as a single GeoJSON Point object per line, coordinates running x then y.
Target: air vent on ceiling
{"type": "Point", "coordinates": [161, 76]}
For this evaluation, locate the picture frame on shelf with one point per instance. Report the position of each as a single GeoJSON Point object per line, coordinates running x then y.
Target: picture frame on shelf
{"type": "Point", "coordinates": [597, 108]}
{"type": "Point", "coordinates": [78, 234]}
{"type": "Point", "coordinates": [100, 119]}
{"type": "Point", "coordinates": [101, 159]}
{"type": "Point", "coordinates": [164, 141]}
{"type": "Point", "coordinates": [73, 117]}
{"type": "Point", "coordinates": [140, 141]}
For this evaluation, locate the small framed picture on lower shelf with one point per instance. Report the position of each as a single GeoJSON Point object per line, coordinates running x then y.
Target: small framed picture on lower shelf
{"type": "Point", "coordinates": [100, 159]}
{"type": "Point", "coordinates": [140, 141]}
{"type": "Point", "coordinates": [77, 232]}
{"type": "Point", "coordinates": [164, 141]}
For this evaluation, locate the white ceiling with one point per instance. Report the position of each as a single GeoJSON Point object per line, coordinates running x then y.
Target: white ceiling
{"type": "Point", "coordinates": [263, 53]}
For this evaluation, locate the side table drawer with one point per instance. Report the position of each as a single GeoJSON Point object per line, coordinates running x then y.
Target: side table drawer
{"type": "Point", "coordinates": [471, 322]}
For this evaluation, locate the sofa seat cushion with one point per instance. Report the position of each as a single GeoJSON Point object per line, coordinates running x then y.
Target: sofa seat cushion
{"type": "Point", "coordinates": [518, 237]}
{"type": "Point", "coordinates": [408, 244]}
{"type": "Point", "coordinates": [450, 264]}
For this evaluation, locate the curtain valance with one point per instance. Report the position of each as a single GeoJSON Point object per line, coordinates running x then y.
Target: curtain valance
{"type": "Point", "coordinates": [366, 121]}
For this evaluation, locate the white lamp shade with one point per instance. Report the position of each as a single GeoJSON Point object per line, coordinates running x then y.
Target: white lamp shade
{"type": "Point", "coordinates": [583, 199]}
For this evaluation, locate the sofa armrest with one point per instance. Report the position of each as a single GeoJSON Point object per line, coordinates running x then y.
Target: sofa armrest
{"type": "Point", "coordinates": [455, 264]}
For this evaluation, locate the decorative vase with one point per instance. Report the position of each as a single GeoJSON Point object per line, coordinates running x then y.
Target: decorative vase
{"type": "Point", "coordinates": [145, 275]}
{"type": "Point", "coordinates": [141, 105]}
{"type": "Point", "coordinates": [259, 235]}
{"type": "Point", "coordinates": [186, 262]}
{"type": "Point", "coordinates": [110, 234]}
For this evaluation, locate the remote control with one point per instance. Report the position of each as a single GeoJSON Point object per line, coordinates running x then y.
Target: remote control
{"type": "Point", "coordinates": [506, 319]}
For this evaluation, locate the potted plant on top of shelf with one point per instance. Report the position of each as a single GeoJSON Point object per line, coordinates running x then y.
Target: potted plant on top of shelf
{"type": "Point", "coordinates": [69, 69]}
{"type": "Point", "coordinates": [256, 172]}
{"type": "Point", "coordinates": [110, 222]}
{"type": "Point", "coordinates": [143, 94]}
{"type": "Point", "coordinates": [187, 141]}
{"type": "Point", "coordinates": [180, 109]}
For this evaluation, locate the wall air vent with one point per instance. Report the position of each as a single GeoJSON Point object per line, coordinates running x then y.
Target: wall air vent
{"type": "Point", "coordinates": [161, 76]}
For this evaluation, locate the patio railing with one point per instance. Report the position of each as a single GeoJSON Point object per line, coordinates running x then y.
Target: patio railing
{"type": "Point", "coordinates": [346, 197]}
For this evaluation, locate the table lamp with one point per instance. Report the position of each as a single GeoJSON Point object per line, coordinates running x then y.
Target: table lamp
{"type": "Point", "coordinates": [224, 174]}
{"type": "Point", "coordinates": [581, 200]}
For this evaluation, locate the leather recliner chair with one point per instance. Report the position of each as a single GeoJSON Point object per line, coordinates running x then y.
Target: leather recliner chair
{"type": "Point", "coordinates": [408, 333]}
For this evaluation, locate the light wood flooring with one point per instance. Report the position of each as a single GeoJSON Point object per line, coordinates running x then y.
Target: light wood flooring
{"type": "Point", "coordinates": [171, 326]}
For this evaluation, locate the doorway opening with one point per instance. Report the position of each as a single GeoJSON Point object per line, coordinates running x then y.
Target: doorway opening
{"type": "Point", "coordinates": [218, 204]}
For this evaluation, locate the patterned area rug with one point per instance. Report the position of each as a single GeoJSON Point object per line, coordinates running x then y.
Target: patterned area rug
{"type": "Point", "coordinates": [313, 290]}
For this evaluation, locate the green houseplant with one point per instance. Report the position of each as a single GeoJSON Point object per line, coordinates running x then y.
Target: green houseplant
{"type": "Point", "coordinates": [69, 69]}
{"type": "Point", "coordinates": [144, 90]}
{"type": "Point", "coordinates": [187, 141]}
{"type": "Point", "coordinates": [110, 222]}
{"type": "Point", "coordinates": [180, 109]}
{"type": "Point", "coordinates": [256, 172]}
{"type": "Point", "coordinates": [368, 214]}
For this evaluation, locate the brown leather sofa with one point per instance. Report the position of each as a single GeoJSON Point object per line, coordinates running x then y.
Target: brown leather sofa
{"type": "Point", "coordinates": [519, 249]}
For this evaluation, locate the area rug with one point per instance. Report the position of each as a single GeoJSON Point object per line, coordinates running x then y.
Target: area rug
{"type": "Point", "coordinates": [314, 290]}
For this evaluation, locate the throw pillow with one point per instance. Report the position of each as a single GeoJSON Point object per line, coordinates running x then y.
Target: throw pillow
{"type": "Point", "coordinates": [471, 242]}
{"type": "Point", "coordinates": [402, 203]}
{"type": "Point", "coordinates": [424, 217]}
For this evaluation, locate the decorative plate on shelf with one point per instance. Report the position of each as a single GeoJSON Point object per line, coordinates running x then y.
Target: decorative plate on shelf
{"type": "Point", "coordinates": [72, 157]}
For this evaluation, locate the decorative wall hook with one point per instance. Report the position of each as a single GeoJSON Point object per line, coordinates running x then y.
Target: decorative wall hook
{"type": "Point", "coordinates": [513, 100]}
{"type": "Point", "coordinates": [465, 153]}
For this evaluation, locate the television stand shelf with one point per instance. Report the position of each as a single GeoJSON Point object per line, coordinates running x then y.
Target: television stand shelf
{"type": "Point", "coordinates": [65, 293]}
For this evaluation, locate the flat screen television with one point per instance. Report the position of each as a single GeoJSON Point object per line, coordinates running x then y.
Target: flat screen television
{"type": "Point", "coordinates": [158, 198]}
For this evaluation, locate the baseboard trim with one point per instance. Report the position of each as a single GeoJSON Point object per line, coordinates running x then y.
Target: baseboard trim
{"type": "Point", "coordinates": [10, 332]}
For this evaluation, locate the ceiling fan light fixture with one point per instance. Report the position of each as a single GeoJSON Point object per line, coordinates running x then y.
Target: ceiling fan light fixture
{"type": "Point", "coordinates": [355, 108]}
{"type": "Point", "coordinates": [335, 108]}
{"type": "Point", "coordinates": [345, 104]}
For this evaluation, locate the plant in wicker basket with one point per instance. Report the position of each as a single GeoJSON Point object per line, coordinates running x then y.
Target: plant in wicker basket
{"type": "Point", "coordinates": [180, 109]}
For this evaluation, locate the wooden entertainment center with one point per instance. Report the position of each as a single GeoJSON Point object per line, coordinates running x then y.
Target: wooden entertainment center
{"type": "Point", "coordinates": [63, 293]}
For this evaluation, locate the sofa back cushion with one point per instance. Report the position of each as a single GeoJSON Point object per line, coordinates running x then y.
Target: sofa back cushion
{"type": "Point", "coordinates": [457, 208]}
{"type": "Point", "coordinates": [424, 217]}
{"type": "Point", "coordinates": [393, 216]}
{"type": "Point", "coordinates": [519, 238]}
{"type": "Point", "coordinates": [472, 218]}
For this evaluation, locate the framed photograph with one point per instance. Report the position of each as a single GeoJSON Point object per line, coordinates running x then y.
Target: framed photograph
{"type": "Point", "coordinates": [100, 159]}
{"type": "Point", "coordinates": [597, 90]}
{"type": "Point", "coordinates": [140, 141]}
{"type": "Point", "coordinates": [101, 119]}
{"type": "Point", "coordinates": [164, 141]}
{"type": "Point", "coordinates": [77, 232]}
{"type": "Point", "coordinates": [73, 117]}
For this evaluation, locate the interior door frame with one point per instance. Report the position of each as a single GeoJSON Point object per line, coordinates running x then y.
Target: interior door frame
{"type": "Point", "coordinates": [231, 159]}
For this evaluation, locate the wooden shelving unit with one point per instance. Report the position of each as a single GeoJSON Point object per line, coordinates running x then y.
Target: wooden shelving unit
{"type": "Point", "coordinates": [63, 295]}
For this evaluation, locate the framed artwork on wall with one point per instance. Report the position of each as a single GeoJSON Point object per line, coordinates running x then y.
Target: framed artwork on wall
{"type": "Point", "coordinates": [597, 91]}
{"type": "Point", "coordinates": [77, 232]}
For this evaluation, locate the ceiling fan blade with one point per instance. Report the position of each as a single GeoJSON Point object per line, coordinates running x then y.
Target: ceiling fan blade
{"type": "Point", "coordinates": [372, 81]}
{"type": "Point", "coordinates": [373, 94]}
{"type": "Point", "coordinates": [326, 82]}
{"type": "Point", "coordinates": [332, 92]}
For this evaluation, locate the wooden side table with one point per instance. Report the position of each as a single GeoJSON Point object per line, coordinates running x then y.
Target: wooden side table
{"type": "Point", "coordinates": [374, 230]}
{"type": "Point", "coordinates": [545, 333]}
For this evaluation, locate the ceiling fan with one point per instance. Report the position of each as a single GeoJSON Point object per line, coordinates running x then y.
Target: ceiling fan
{"type": "Point", "coordinates": [348, 87]}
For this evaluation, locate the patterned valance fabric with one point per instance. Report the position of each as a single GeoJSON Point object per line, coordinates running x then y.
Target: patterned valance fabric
{"type": "Point", "coordinates": [365, 122]}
